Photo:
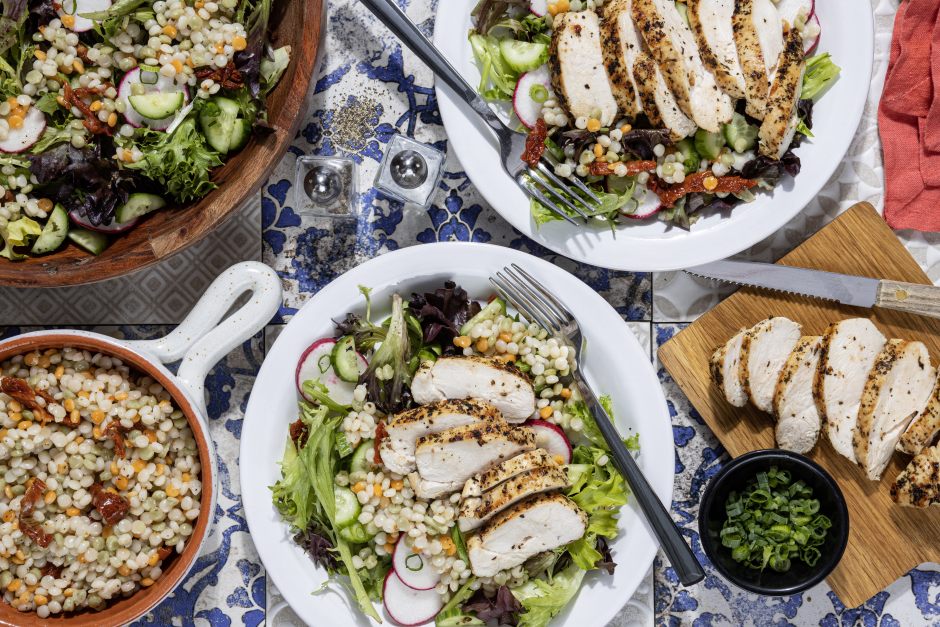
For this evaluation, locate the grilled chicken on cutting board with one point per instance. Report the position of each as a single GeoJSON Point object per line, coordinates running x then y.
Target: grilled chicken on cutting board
{"type": "Point", "coordinates": [622, 42]}
{"type": "Point", "coordinates": [758, 36]}
{"type": "Point", "coordinates": [764, 351]}
{"type": "Point", "coordinates": [576, 62]}
{"type": "Point", "coordinates": [798, 419]}
{"type": "Point", "coordinates": [486, 379]}
{"type": "Point", "coordinates": [404, 430]}
{"type": "Point", "coordinates": [447, 459]}
{"type": "Point", "coordinates": [918, 485]}
{"type": "Point", "coordinates": [710, 21]}
{"type": "Point", "coordinates": [724, 370]}
{"type": "Point", "coordinates": [897, 389]}
{"type": "Point", "coordinates": [920, 433]}
{"type": "Point", "coordinates": [478, 484]}
{"type": "Point", "coordinates": [475, 511]}
{"type": "Point", "coordinates": [539, 523]}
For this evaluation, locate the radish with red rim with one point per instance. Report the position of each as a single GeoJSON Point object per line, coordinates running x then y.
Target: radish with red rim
{"type": "Point", "coordinates": [810, 43]}
{"type": "Point", "coordinates": [110, 227]}
{"type": "Point", "coordinates": [407, 606]}
{"type": "Point", "coordinates": [315, 364]}
{"type": "Point", "coordinates": [20, 139]}
{"type": "Point", "coordinates": [539, 7]}
{"type": "Point", "coordinates": [647, 206]}
{"type": "Point", "coordinates": [162, 86]}
{"type": "Point", "coordinates": [524, 104]}
{"type": "Point", "coordinates": [76, 8]}
{"type": "Point", "coordinates": [551, 438]}
{"type": "Point", "coordinates": [412, 568]}
{"type": "Point", "coordinates": [789, 9]}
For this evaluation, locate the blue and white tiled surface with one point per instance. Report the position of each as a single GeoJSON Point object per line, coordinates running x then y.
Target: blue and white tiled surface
{"type": "Point", "coordinates": [369, 89]}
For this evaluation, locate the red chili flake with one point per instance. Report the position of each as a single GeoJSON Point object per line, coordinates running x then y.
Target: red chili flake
{"type": "Point", "coordinates": [696, 183]}
{"type": "Point", "coordinates": [19, 390]}
{"type": "Point", "coordinates": [112, 506]}
{"type": "Point", "coordinates": [633, 167]}
{"type": "Point", "coordinates": [380, 434]}
{"type": "Point", "coordinates": [51, 570]}
{"type": "Point", "coordinates": [229, 77]}
{"type": "Point", "coordinates": [299, 433]}
{"type": "Point", "coordinates": [164, 552]}
{"type": "Point", "coordinates": [27, 525]}
{"type": "Point", "coordinates": [535, 144]}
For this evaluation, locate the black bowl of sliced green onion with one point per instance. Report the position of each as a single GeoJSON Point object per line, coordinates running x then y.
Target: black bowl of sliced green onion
{"type": "Point", "coordinates": [773, 522]}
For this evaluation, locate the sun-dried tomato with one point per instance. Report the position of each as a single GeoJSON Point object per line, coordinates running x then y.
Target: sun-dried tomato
{"type": "Point", "coordinates": [633, 167]}
{"type": "Point", "coordinates": [114, 431]}
{"type": "Point", "coordinates": [696, 183]}
{"type": "Point", "coordinates": [19, 390]}
{"type": "Point", "coordinates": [535, 144]}
{"type": "Point", "coordinates": [299, 433]}
{"type": "Point", "coordinates": [91, 121]}
{"type": "Point", "coordinates": [112, 507]}
{"type": "Point", "coordinates": [51, 570]}
{"type": "Point", "coordinates": [164, 552]}
{"type": "Point", "coordinates": [380, 434]}
{"type": "Point", "coordinates": [656, 185]}
{"type": "Point", "coordinates": [229, 77]}
{"type": "Point", "coordinates": [27, 525]}
{"type": "Point", "coordinates": [82, 52]}
{"type": "Point", "coordinates": [8, 195]}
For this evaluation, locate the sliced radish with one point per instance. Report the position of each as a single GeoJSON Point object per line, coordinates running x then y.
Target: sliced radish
{"type": "Point", "coordinates": [412, 568]}
{"type": "Point", "coordinates": [315, 364]}
{"type": "Point", "coordinates": [789, 9]}
{"type": "Point", "coordinates": [163, 85]}
{"type": "Point", "coordinates": [408, 606]}
{"type": "Point", "coordinates": [810, 43]}
{"type": "Point", "coordinates": [551, 438]}
{"type": "Point", "coordinates": [526, 108]}
{"type": "Point", "coordinates": [648, 207]}
{"type": "Point", "coordinates": [22, 138]}
{"type": "Point", "coordinates": [83, 24]}
{"type": "Point", "coordinates": [539, 7]}
{"type": "Point", "coordinates": [110, 227]}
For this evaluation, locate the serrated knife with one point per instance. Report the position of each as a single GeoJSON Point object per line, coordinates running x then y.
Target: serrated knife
{"type": "Point", "coordinates": [844, 288]}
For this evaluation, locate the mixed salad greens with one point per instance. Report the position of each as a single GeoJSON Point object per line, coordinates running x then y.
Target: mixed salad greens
{"type": "Point", "coordinates": [511, 42]}
{"type": "Point", "coordinates": [331, 462]}
{"type": "Point", "coordinates": [112, 111]}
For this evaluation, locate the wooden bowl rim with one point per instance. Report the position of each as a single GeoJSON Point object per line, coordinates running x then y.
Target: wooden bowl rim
{"type": "Point", "coordinates": [125, 611]}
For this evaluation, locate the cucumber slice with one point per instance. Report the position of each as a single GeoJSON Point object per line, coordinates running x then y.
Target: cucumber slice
{"type": "Point", "coordinates": [347, 507]}
{"type": "Point", "coordinates": [523, 56]}
{"type": "Point", "coordinates": [708, 144]}
{"type": "Point", "coordinates": [495, 308]}
{"type": "Point", "coordinates": [219, 129]}
{"type": "Point", "coordinates": [434, 347]}
{"type": "Point", "coordinates": [355, 533]}
{"type": "Point", "coordinates": [359, 461]}
{"type": "Point", "coordinates": [426, 355]}
{"type": "Point", "coordinates": [241, 133]}
{"type": "Point", "coordinates": [740, 135]}
{"type": "Point", "coordinates": [138, 205]}
{"type": "Point", "coordinates": [93, 242]}
{"type": "Point", "coordinates": [344, 359]}
{"type": "Point", "coordinates": [54, 233]}
{"type": "Point", "coordinates": [689, 155]}
{"type": "Point", "coordinates": [684, 12]}
{"type": "Point", "coordinates": [157, 106]}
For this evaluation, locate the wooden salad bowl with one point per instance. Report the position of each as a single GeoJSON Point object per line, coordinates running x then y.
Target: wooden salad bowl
{"type": "Point", "coordinates": [301, 24]}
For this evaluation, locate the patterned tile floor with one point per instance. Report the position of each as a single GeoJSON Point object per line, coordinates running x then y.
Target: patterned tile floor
{"type": "Point", "coordinates": [370, 89]}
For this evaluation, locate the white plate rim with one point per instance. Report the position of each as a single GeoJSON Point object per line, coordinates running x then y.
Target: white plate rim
{"type": "Point", "coordinates": [848, 32]}
{"type": "Point", "coordinates": [272, 541]}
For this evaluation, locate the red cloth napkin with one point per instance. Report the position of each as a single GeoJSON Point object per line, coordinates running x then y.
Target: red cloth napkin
{"type": "Point", "coordinates": [909, 119]}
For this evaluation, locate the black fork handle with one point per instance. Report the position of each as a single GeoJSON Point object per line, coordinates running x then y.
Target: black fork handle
{"type": "Point", "coordinates": [395, 19]}
{"type": "Point", "coordinates": [680, 555]}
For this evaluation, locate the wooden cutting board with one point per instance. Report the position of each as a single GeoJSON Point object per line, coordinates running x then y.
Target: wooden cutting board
{"type": "Point", "coordinates": [885, 540]}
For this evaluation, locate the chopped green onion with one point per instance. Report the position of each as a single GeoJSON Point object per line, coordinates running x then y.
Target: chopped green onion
{"type": "Point", "coordinates": [409, 566]}
{"type": "Point", "coordinates": [538, 93]}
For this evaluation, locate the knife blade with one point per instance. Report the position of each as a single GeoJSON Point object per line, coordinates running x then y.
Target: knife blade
{"type": "Point", "coordinates": [846, 289]}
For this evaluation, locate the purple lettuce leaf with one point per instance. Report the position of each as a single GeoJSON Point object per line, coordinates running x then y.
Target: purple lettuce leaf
{"type": "Point", "coordinates": [504, 607]}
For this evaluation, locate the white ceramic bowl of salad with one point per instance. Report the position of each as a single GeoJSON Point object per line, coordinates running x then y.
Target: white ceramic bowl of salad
{"type": "Point", "coordinates": [650, 244]}
{"type": "Point", "coordinates": [615, 363]}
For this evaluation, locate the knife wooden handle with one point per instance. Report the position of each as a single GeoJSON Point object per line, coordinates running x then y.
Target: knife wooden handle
{"type": "Point", "coordinates": [923, 300]}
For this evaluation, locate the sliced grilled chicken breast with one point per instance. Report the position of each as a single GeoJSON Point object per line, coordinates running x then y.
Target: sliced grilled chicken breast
{"type": "Point", "coordinates": [798, 419]}
{"type": "Point", "coordinates": [486, 379]}
{"type": "Point", "coordinates": [576, 63]}
{"type": "Point", "coordinates": [673, 46]}
{"type": "Point", "coordinates": [658, 103]}
{"type": "Point", "coordinates": [724, 370]}
{"type": "Point", "coordinates": [896, 391]}
{"type": "Point", "coordinates": [398, 450]}
{"type": "Point", "coordinates": [477, 510]}
{"type": "Point", "coordinates": [478, 484]}
{"type": "Point", "coordinates": [918, 485]}
{"type": "Point", "coordinates": [764, 351]}
{"type": "Point", "coordinates": [447, 459]}
{"type": "Point", "coordinates": [920, 433]}
{"type": "Point", "coordinates": [539, 523]}
{"type": "Point", "coordinates": [622, 42]}
{"type": "Point", "coordinates": [783, 114]}
{"type": "Point", "coordinates": [758, 36]}
{"type": "Point", "coordinates": [848, 352]}
{"type": "Point", "coordinates": [710, 21]}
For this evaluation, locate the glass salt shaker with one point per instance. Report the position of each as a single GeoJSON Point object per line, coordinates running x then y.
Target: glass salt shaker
{"type": "Point", "coordinates": [410, 171]}
{"type": "Point", "coordinates": [325, 187]}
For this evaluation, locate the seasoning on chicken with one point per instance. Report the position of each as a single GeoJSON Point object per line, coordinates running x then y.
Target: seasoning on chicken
{"type": "Point", "coordinates": [404, 430]}
{"type": "Point", "coordinates": [576, 62]}
{"type": "Point", "coordinates": [783, 112]}
{"type": "Point", "coordinates": [622, 42]}
{"type": "Point", "coordinates": [478, 484]}
{"type": "Point", "coordinates": [848, 352]}
{"type": "Point", "coordinates": [918, 485]}
{"type": "Point", "coordinates": [764, 351]}
{"type": "Point", "coordinates": [710, 21]}
{"type": "Point", "coordinates": [920, 433]}
{"type": "Point", "coordinates": [758, 36]}
{"type": "Point", "coordinates": [447, 459]}
{"type": "Point", "coordinates": [477, 510]}
{"type": "Point", "coordinates": [659, 104]}
{"type": "Point", "coordinates": [539, 523]}
{"type": "Point", "coordinates": [896, 391]}
{"type": "Point", "coordinates": [724, 370]}
{"type": "Point", "coordinates": [798, 419]}
{"type": "Point", "coordinates": [486, 379]}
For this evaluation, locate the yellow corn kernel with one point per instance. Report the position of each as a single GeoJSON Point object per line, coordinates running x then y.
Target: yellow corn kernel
{"type": "Point", "coordinates": [483, 345]}
{"type": "Point", "coordinates": [97, 417]}
{"type": "Point", "coordinates": [62, 103]}
{"type": "Point", "coordinates": [97, 432]}
{"type": "Point", "coordinates": [124, 570]}
{"type": "Point", "coordinates": [83, 393]}
{"type": "Point", "coordinates": [29, 482]}
{"type": "Point", "coordinates": [24, 425]}
{"type": "Point", "coordinates": [121, 396]}
{"type": "Point", "coordinates": [18, 560]}
{"type": "Point", "coordinates": [186, 478]}
{"type": "Point", "coordinates": [114, 468]}
{"type": "Point", "coordinates": [39, 54]}
{"type": "Point", "coordinates": [15, 406]}
{"type": "Point", "coordinates": [107, 531]}
{"type": "Point", "coordinates": [61, 369]}
{"type": "Point", "coordinates": [112, 119]}
{"type": "Point", "coordinates": [151, 435]}
{"type": "Point", "coordinates": [79, 440]}
{"type": "Point", "coordinates": [120, 482]}
{"type": "Point", "coordinates": [389, 548]}
{"type": "Point", "coordinates": [565, 393]}
{"type": "Point", "coordinates": [75, 417]}
{"type": "Point", "coordinates": [69, 404]}
{"type": "Point", "coordinates": [95, 106]}
{"type": "Point", "coordinates": [359, 487]}
{"type": "Point", "coordinates": [396, 484]}
{"type": "Point", "coordinates": [626, 128]}
{"type": "Point", "coordinates": [153, 559]}
{"type": "Point", "coordinates": [111, 490]}
{"type": "Point", "coordinates": [139, 465]}
{"type": "Point", "coordinates": [8, 491]}
{"type": "Point", "coordinates": [220, 48]}
{"type": "Point", "coordinates": [165, 404]}
{"type": "Point", "coordinates": [15, 121]}
{"type": "Point", "coordinates": [506, 337]}
{"type": "Point", "coordinates": [239, 42]}
{"type": "Point", "coordinates": [147, 582]}
{"type": "Point", "coordinates": [77, 64]}
{"type": "Point", "coordinates": [509, 359]}
{"type": "Point", "coordinates": [3, 433]}
{"type": "Point", "coordinates": [177, 65]}
{"type": "Point", "coordinates": [562, 5]}
{"type": "Point", "coordinates": [463, 341]}
{"type": "Point", "coordinates": [710, 183]}
{"type": "Point", "coordinates": [68, 21]}
{"type": "Point", "coordinates": [40, 599]}
{"type": "Point", "coordinates": [376, 489]}
{"type": "Point", "coordinates": [73, 511]}
{"type": "Point", "coordinates": [50, 497]}
{"type": "Point", "coordinates": [598, 151]}
{"type": "Point", "coordinates": [558, 459]}
{"type": "Point", "coordinates": [160, 469]}
{"type": "Point", "coordinates": [546, 411]}
{"type": "Point", "coordinates": [170, 31]}
{"type": "Point", "coordinates": [9, 516]}
{"type": "Point", "coordinates": [594, 125]}
{"type": "Point", "coordinates": [70, 591]}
